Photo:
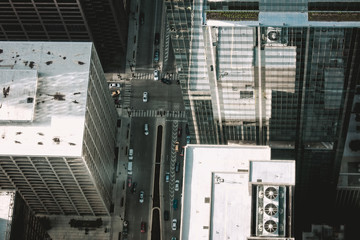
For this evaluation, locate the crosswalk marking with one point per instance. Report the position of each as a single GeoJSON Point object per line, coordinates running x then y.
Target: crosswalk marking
{"type": "Point", "coordinates": [156, 113]}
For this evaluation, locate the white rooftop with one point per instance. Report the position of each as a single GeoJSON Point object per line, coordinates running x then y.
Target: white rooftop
{"type": "Point", "coordinates": [43, 113]}
{"type": "Point", "coordinates": [216, 200]}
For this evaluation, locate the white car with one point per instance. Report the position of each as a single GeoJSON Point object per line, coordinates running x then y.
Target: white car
{"type": "Point", "coordinates": [145, 97]}
{"type": "Point", "coordinates": [146, 129]}
{"type": "Point", "coordinates": [114, 85]}
{"type": "Point", "coordinates": [174, 222]}
{"type": "Point", "coordinates": [177, 185]}
{"type": "Point", "coordinates": [156, 75]}
{"type": "Point", "coordinates": [141, 197]}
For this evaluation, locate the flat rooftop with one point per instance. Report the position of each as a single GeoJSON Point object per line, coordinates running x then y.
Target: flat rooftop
{"type": "Point", "coordinates": [45, 84]}
{"type": "Point", "coordinates": [217, 183]}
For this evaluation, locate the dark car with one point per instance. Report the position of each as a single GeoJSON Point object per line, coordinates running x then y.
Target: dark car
{"type": "Point", "coordinates": [187, 129]}
{"type": "Point", "coordinates": [166, 215]}
{"type": "Point", "coordinates": [157, 38]}
{"type": "Point", "coordinates": [165, 80]}
{"type": "Point", "coordinates": [179, 131]}
{"type": "Point", "coordinates": [133, 189]}
{"type": "Point", "coordinates": [182, 151]}
{"type": "Point", "coordinates": [143, 227]}
{"type": "Point", "coordinates": [177, 167]}
{"type": "Point", "coordinates": [142, 18]}
{"type": "Point", "coordinates": [175, 204]}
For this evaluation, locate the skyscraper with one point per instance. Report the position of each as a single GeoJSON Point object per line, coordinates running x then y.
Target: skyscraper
{"type": "Point", "coordinates": [57, 127]}
{"type": "Point", "coordinates": [278, 73]}
{"type": "Point", "coordinates": [103, 22]}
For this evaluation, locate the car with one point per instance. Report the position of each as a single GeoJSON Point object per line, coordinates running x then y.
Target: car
{"type": "Point", "coordinates": [179, 131]}
{"type": "Point", "coordinates": [165, 80]}
{"type": "Point", "coordinates": [131, 154]}
{"type": "Point", "coordinates": [187, 129]}
{"type": "Point", "coordinates": [167, 177]}
{"type": "Point", "coordinates": [156, 75]}
{"type": "Point", "coordinates": [157, 38]}
{"type": "Point", "coordinates": [129, 181]}
{"type": "Point", "coordinates": [143, 227]}
{"type": "Point", "coordinates": [176, 146]}
{"type": "Point", "coordinates": [146, 129]}
{"type": "Point", "coordinates": [177, 167]}
{"type": "Point", "coordinates": [142, 18]}
{"type": "Point", "coordinates": [175, 204]}
{"type": "Point", "coordinates": [133, 189]}
{"type": "Point", "coordinates": [177, 185]}
{"type": "Point", "coordinates": [166, 215]}
{"type": "Point", "coordinates": [125, 228]}
{"type": "Point", "coordinates": [141, 197]}
{"type": "Point", "coordinates": [182, 151]}
{"type": "Point", "coordinates": [188, 140]}
{"type": "Point", "coordinates": [156, 55]}
{"type": "Point", "coordinates": [174, 223]}
{"type": "Point", "coordinates": [145, 96]}
{"type": "Point", "coordinates": [113, 85]}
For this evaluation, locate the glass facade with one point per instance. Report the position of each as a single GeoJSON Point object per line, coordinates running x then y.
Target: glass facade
{"type": "Point", "coordinates": [276, 73]}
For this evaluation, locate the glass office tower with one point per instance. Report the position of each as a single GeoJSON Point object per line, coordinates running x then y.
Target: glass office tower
{"type": "Point", "coordinates": [278, 73]}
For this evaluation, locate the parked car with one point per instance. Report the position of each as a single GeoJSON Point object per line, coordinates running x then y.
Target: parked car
{"type": "Point", "coordinates": [157, 38]}
{"type": "Point", "coordinates": [179, 131]}
{"type": "Point", "coordinates": [145, 96]}
{"type": "Point", "coordinates": [112, 85]}
{"type": "Point", "coordinates": [174, 223]}
{"type": "Point", "coordinates": [143, 227]}
{"type": "Point", "coordinates": [177, 167]}
{"type": "Point", "coordinates": [129, 181]}
{"type": "Point", "coordinates": [167, 177]}
{"type": "Point", "coordinates": [175, 204]}
{"type": "Point", "coordinates": [156, 75]}
{"type": "Point", "coordinates": [177, 146]}
{"type": "Point", "coordinates": [166, 215]}
{"type": "Point", "coordinates": [177, 185]}
{"type": "Point", "coordinates": [156, 56]}
{"type": "Point", "coordinates": [141, 197]}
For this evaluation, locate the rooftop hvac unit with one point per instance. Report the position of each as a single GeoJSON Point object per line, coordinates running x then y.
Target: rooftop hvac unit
{"type": "Point", "coordinates": [276, 37]}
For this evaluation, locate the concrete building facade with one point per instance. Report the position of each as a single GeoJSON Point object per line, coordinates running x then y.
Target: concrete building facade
{"type": "Point", "coordinates": [103, 22]}
{"type": "Point", "coordinates": [58, 127]}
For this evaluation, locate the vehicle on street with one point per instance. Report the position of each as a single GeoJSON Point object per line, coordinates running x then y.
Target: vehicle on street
{"type": "Point", "coordinates": [165, 80]}
{"type": "Point", "coordinates": [187, 129]}
{"type": "Point", "coordinates": [145, 96]}
{"type": "Point", "coordinates": [188, 140]}
{"type": "Point", "coordinates": [177, 185]}
{"type": "Point", "coordinates": [125, 228]}
{"type": "Point", "coordinates": [113, 85]}
{"type": "Point", "coordinates": [129, 181]}
{"type": "Point", "coordinates": [157, 38]}
{"type": "Point", "coordinates": [156, 75]}
{"type": "Point", "coordinates": [177, 167]}
{"type": "Point", "coordinates": [129, 168]}
{"type": "Point", "coordinates": [131, 154]}
{"type": "Point", "coordinates": [133, 189]}
{"type": "Point", "coordinates": [156, 56]}
{"type": "Point", "coordinates": [166, 215]}
{"type": "Point", "coordinates": [177, 146]}
{"type": "Point", "coordinates": [141, 197]}
{"type": "Point", "coordinates": [182, 151]}
{"type": "Point", "coordinates": [142, 18]}
{"type": "Point", "coordinates": [174, 223]}
{"type": "Point", "coordinates": [175, 204]}
{"type": "Point", "coordinates": [167, 177]}
{"type": "Point", "coordinates": [179, 131]}
{"type": "Point", "coordinates": [143, 227]}
{"type": "Point", "coordinates": [146, 129]}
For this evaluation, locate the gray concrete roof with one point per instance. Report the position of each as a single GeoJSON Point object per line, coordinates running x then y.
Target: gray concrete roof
{"type": "Point", "coordinates": [56, 76]}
